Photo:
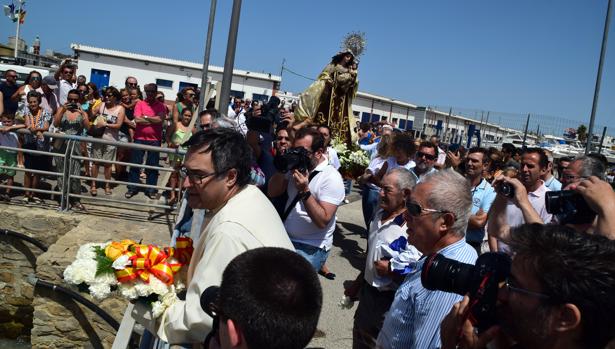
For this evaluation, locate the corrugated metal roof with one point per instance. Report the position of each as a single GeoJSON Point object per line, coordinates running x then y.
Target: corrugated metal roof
{"type": "Point", "coordinates": [168, 61]}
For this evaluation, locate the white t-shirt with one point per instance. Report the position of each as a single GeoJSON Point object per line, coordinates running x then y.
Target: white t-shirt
{"type": "Point", "coordinates": [334, 160]}
{"type": "Point", "coordinates": [392, 163]}
{"type": "Point", "coordinates": [326, 186]}
{"type": "Point", "coordinates": [374, 166]}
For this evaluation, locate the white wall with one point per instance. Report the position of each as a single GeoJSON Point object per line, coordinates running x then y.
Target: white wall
{"type": "Point", "coordinates": [121, 68]}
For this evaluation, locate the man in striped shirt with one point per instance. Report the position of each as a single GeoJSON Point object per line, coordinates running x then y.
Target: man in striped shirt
{"type": "Point", "coordinates": [437, 215]}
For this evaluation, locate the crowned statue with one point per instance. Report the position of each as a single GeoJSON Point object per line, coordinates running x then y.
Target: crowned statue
{"type": "Point", "coordinates": [328, 100]}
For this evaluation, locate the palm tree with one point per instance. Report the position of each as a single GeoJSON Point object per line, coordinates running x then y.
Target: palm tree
{"type": "Point", "coordinates": [582, 133]}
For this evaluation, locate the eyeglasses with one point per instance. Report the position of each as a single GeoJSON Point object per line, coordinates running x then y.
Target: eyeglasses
{"type": "Point", "coordinates": [417, 210]}
{"type": "Point", "coordinates": [283, 138]}
{"type": "Point", "coordinates": [73, 99]}
{"type": "Point", "coordinates": [205, 126]}
{"type": "Point", "coordinates": [510, 288]}
{"type": "Point", "coordinates": [420, 154]}
{"type": "Point", "coordinates": [35, 78]}
{"type": "Point", "coordinates": [194, 177]}
{"type": "Point", "coordinates": [131, 84]}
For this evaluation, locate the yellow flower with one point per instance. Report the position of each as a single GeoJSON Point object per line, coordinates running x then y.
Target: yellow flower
{"type": "Point", "coordinates": [116, 249]}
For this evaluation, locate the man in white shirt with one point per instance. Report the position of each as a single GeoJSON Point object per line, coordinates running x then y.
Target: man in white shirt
{"type": "Point", "coordinates": [216, 175]}
{"type": "Point", "coordinates": [66, 84]}
{"type": "Point", "coordinates": [386, 243]}
{"type": "Point", "coordinates": [334, 160]}
{"type": "Point", "coordinates": [313, 198]}
{"type": "Point", "coordinates": [525, 205]}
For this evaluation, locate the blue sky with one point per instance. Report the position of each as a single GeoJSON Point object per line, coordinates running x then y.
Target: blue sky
{"type": "Point", "coordinates": [524, 56]}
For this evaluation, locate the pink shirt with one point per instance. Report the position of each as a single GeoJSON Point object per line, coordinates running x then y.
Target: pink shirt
{"type": "Point", "coordinates": [149, 132]}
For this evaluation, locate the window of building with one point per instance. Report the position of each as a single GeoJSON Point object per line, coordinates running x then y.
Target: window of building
{"type": "Point", "coordinates": [259, 97]}
{"type": "Point", "coordinates": [164, 83]}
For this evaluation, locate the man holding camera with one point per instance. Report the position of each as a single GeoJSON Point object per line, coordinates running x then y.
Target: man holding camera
{"type": "Point", "coordinates": [314, 193]}
{"type": "Point", "coordinates": [519, 200]}
{"type": "Point", "coordinates": [560, 294]}
{"type": "Point", "coordinates": [437, 214]}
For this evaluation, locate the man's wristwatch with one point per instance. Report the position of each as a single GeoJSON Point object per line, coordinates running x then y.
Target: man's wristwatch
{"type": "Point", "coordinates": [145, 116]}
{"type": "Point", "coordinates": [305, 195]}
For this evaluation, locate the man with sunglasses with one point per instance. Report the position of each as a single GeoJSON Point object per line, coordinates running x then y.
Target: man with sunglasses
{"type": "Point", "coordinates": [438, 210]}
{"type": "Point", "coordinates": [8, 89]}
{"type": "Point", "coordinates": [66, 83]}
{"type": "Point", "coordinates": [425, 159]}
{"type": "Point", "coordinates": [148, 117]}
{"type": "Point", "coordinates": [216, 175]}
{"type": "Point", "coordinates": [581, 168]}
{"type": "Point", "coordinates": [560, 294]}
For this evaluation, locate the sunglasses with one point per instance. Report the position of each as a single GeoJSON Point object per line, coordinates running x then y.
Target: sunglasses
{"type": "Point", "coordinates": [420, 154]}
{"type": "Point", "coordinates": [416, 210]}
{"type": "Point", "coordinates": [205, 126]}
{"type": "Point", "coordinates": [109, 96]}
{"type": "Point", "coordinates": [73, 99]}
{"type": "Point", "coordinates": [131, 84]}
{"type": "Point", "coordinates": [283, 138]}
{"type": "Point", "coordinates": [35, 78]}
{"type": "Point", "coordinates": [67, 72]}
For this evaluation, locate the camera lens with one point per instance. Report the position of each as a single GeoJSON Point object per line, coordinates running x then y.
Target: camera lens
{"type": "Point", "coordinates": [448, 275]}
{"type": "Point", "coordinates": [507, 190]}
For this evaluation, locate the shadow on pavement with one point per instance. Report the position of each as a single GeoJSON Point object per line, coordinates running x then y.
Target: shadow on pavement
{"type": "Point", "coordinates": [350, 248]}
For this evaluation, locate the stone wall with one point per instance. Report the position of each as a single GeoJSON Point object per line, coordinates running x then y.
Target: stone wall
{"type": "Point", "coordinates": [19, 260]}
{"type": "Point", "coordinates": [41, 316]}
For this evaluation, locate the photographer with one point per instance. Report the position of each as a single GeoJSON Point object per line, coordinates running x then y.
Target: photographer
{"type": "Point", "coordinates": [519, 201]}
{"type": "Point", "coordinates": [560, 293]}
{"type": "Point", "coordinates": [599, 196]}
{"type": "Point", "coordinates": [314, 191]}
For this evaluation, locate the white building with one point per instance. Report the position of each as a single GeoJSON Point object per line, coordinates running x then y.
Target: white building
{"type": "Point", "coordinates": [106, 67]}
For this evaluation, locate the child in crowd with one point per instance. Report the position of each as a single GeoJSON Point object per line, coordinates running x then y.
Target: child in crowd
{"type": "Point", "coordinates": [180, 133]}
{"type": "Point", "coordinates": [8, 158]}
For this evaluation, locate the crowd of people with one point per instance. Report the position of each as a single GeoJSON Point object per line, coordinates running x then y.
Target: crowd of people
{"type": "Point", "coordinates": [271, 188]}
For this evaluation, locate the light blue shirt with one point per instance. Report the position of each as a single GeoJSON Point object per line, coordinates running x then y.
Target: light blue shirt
{"type": "Point", "coordinates": [553, 184]}
{"type": "Point", "coordinates": [418, 178]}
{"type": "Point", "coordinates": [413, 321]}
{"type": "Point", "coordinates": [482, 198]}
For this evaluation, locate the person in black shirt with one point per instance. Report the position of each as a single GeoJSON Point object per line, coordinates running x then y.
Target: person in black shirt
{"type": "Point", "coordinates": [7, 89]}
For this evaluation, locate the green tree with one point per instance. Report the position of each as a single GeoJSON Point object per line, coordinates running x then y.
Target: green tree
{"type": "Point", "coordinates": [582, 133]}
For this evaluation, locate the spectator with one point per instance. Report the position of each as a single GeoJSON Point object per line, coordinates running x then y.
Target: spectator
{"type": "Point", "coordinates": [187, 101]}
{"type": "Point", "coordinates": [128, 129]}
{"type": "Point", "coordinates": [334, 160]}
{"type": "Point", "coordinates": [8, 158]}
{"type": "Point", "coordinates": [402, 153]}
{"type": "Point", "coordinates": [562, 164]}
{"type": "Point", "coordinates": [149, 115]}
{"type": "Point", "coordinates": [93, 95]}
{"type": "Point", "coordinates": [72, 120]}
{"type": "Point", "coordinates": [437, 215]}
{"type": "Point", "coordinates": [206, 118]}
{"type": "Point", "coordinates": [376, 285]}
{"type": "Point", "coordinates": [132, 85]}
{"type": "Point", "coordinates": [370, 180]}
{"type": "Point", "coordinates": [482, 197]}
{"type": "Point", "coordinates": [269, 298]}
{"type": "Point", "coordinates": [281, 144]}
{"type": "Point", "coordinates": [32, 83]}
{"type": "Point", "coordinates": [49, 98]}
{"type": "Point", "coordinates": [37, 121]}
{"type": "Point", "coordinates": [236, 110]}
{"type": "Point", "coordinates": [7, 90]}
{"type": "Point", "coordinates": [81, 80]}
{"type": "Point", "coordinates": [581, 168]}
{"type": "Point", "coordinates": [528, 202]}
{"type": "Point", "coordinates": [182, 132]}
{"type": "Point", "coordinates": [550, 181]}
{"type": "Point", "coordinates": [65, 76]}
{"type": "Point", "coordinates": [560, 294]}
{"type": "Point", "coordinates": [425, 159]}
{"type": "Point", "coordinates": [216, 174]}
{"type": "Point", "coordinates": [310, 222]}
{"type": "Point", "coordinates": [111, 116]}
{"type": "Point", "coordinates": [441, 160]}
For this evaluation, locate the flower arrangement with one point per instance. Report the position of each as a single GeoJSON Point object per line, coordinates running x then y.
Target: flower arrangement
{"type": "Point", "coordinates": [353, 161]}
{"type": "Point", "coordinates": [132, 270]}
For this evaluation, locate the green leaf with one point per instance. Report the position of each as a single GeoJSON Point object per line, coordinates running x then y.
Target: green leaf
{"type": "Point", "coordinates": [103, 265]}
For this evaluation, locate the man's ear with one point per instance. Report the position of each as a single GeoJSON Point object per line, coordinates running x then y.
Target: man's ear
{"type": "Point", "coordinates": [231, 177]}
{"type": "Point", "coordinates": [567, 318]}
{"type": "Point", "coordinates": [235, 336]}
{"type": "Point", "coordinates": [448, 219]}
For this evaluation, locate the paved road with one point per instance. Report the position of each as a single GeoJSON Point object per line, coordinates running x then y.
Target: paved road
{"type": "Point", "coordinates": [346, 259]}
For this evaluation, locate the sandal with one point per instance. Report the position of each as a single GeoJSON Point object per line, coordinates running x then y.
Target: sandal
{"type": "Point", "coordinates": [108, 191]}
{"type": "Point", "coordinates": [329, 276]}
{"type": "Point", "coordinates": [93, 191]}
{"type": "Point", "coordinates": [130, 194]}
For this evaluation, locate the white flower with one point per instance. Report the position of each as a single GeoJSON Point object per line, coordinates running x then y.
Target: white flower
{"type": "Point", "coordinates": [87, 251]}
{"type": "Point", "coordinates": [80, 271]}
{"type": "Point", "coordinates": [121, 262]}
{"type": "Point", "coordinates": [128, 290]}
{"type": "Point", "coordinates": [143, 289]}
{"type": "Point", "coordinates": [100, 291]}
{"type": "Point", "coordinates": [158, 309]}
{"type": "Point", "coordinates": [157, 286]}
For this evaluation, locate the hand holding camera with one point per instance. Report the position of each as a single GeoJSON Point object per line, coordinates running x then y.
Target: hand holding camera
{"type": "Point", "coordinates": [456, 330]}
{"type": "Point", "coordinates": [510, 188]}
{"type": "Point", "coordinates": [598, 194]}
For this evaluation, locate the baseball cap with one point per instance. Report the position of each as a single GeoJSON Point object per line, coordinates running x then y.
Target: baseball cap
{"type": "Point", "coordinates": [50, 81]}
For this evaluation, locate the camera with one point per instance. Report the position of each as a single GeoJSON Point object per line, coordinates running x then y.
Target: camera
{"type": "Point", "coordinates": [480, 281]}
{"type": "Point", "coordinates": [294, 159]}
{"type": "Point", "coordinates": [270, 114]}
{"type": "Point", "coordinates": [507, 190]}
{"type": "Point", "coordinates": [569, 207]}
{"type": "Point", "coordinates": [72, 106]}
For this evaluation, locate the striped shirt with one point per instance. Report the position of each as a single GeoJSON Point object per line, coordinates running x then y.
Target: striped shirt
{"type": "Point", "coordinates": [413, 321]}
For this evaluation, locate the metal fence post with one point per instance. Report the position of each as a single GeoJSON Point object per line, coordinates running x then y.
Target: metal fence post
{"type": "Point", "coordinates": [65, 203]}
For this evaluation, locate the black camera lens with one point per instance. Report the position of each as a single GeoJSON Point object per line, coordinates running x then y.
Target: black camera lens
{"type": "Point", "coordinates": [569, 206]}
{"type": "Point", "coordinates": [507, 190]}
{"type": "Point", "coordinates": [448, 275]}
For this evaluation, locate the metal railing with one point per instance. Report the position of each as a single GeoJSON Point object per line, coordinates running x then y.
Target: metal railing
{"type": "Point", "coordinates": [67, 177]}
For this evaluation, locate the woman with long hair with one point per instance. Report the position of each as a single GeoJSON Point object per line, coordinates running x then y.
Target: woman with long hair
{"type": "Point", "coordinates": [33, 83]}
{"type": "Point", "coordinates": [111, 117]}
{"type": "Point", "coordinates": [37, 120]}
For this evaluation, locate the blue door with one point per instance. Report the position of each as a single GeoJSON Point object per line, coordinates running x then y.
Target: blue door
{"type": "Point", "coordinates": [100, 78]}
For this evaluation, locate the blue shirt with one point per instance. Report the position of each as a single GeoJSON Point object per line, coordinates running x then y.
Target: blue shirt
{"type": "Point", "coordinates": [413, 321]}
{"type": "Point", "coordinates": [482, 198]}
{"type": "Point", "coordinates": [553, 184]}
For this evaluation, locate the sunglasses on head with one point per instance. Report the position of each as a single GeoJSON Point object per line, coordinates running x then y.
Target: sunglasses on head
{"type": "Point", "coordinates": [420, 154]}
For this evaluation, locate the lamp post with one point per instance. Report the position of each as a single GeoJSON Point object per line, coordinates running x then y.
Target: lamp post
{"type": "Point", "coordinates": [227, 77]}
{"type": "Point", "coordinates": [205, 71]}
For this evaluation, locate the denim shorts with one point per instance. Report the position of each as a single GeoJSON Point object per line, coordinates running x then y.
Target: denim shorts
{"type": "Point", "coordinates": [315, 255]}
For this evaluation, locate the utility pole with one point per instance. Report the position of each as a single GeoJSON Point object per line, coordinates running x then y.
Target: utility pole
{"type": "Point", "coordinates": [229, 61]}
{"type": "Point", "coordinates": [592, 118]}
{"type": "Point", "coordinates": [527, 124]}
{"type": "Point", "coordinates": [205, 70]}
{"type": "Point", "coordinates": [18, 26]}
{"type": "Point", "coordinates": [602, 140]}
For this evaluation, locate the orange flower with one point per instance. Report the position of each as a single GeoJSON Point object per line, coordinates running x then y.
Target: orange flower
{"type": "Point", "coordinates": [116, 249]}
